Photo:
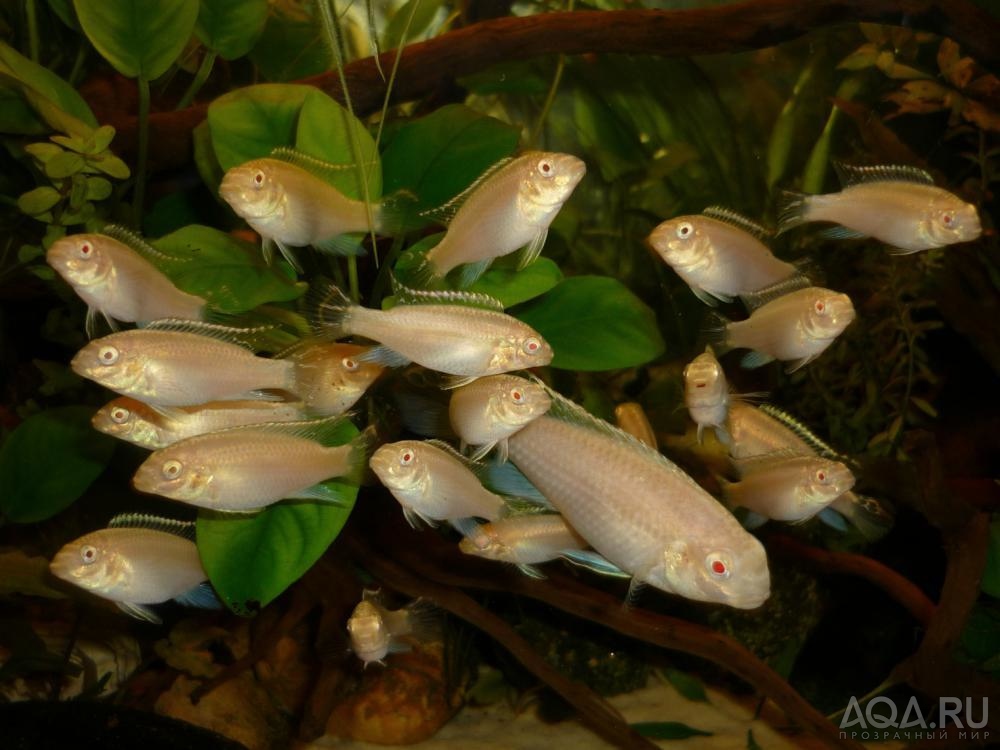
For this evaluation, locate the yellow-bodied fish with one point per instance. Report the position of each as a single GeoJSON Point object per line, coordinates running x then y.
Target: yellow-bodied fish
{"type": "Point", "coordinates": [246, 468]}
{"type": "Point", "coordinates": [522, 540]}
{"type": "Point", "coordinates": [489, 410]}
{"type": "Point", "coordinates": [109, 273]}
{"type": "Point", "coordinates": [137, 561]}
{"type": "Point", "coordinates": [509, 207]}
{"type": "Point", "coordinates": [332, 377]}
{"type": "Point", "coordinates": [376, 631]}
{"type": "Point", "coordinates": [900, 206]}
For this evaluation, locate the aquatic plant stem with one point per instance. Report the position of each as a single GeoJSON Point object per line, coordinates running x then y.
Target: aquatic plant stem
{"type": "Point", "coordinates": [550, 96]}
{"type": "Point", "coordinates": [140, 170]}
{"type": "Point", "coordinates": [32, 18]}
{"type": "Point", "coordinates": [204, 71]}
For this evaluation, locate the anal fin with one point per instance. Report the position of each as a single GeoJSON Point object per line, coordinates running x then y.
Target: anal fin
{"type": "Point", "coordinates": [202, 596]}
{"type": "Point", "coordinates": [532, 250]}
{"type": "Point", "coordinates": [342, 244]}
{"type": "Point", "coordinates": [140, 612]}
{"type": "Point", "coordinates": [470, 272]}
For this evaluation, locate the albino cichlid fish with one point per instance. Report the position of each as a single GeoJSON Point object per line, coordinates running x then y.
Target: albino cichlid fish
{"type": "Point", "coordinates": [458, 333]}
{"type": "Point", "coordinates": [112, 273]}
{"type": "Point", "coordinates": [131, 420]}
{"type": "Point", "coordinates": [433, 482]}
{"type": "Point", "coordinates": [288, 203]}
{"type": "Point", "coordinates": [900, 206]}
{"type": "Point", "coordinates": [706, 394]}
{"type": "Point", "coordinates": [509, 207]}
{"type": "Point", "coordinates": [639, 510]}
{"type": "Point", "coordinates": [332, 377]}
{"type": "Point", "coordinates": [786, 487]}
{"type": "Point", "coordinates": [376, 631]}
{"type": "Point", "coordinates": [138, 560]}
{"type": "Point", "coordinates": [719, 254]}
{"type": "Point", "coordinates": [181, 363]}
{"type": "Point", "coordinates": [522, 540]}
{"type": "Point", "coordinates": [489, 410]}
{"type": "Point", "coordinates": [247, 468]}
{"type": "Point", "coordinates": [796, 328]}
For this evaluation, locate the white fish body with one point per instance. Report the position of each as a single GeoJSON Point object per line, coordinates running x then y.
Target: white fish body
{"type": "Point", "coordinates": [131, 420]}
{"type": "Point", "coordinates": [640, 511]}
{"type": "Point", "coordinates": [118, 282]}
{"type": "Point", "coordinates": [523, 540]}
{"type": "Point", "coordinates": [487, 411]}
{"type": "Point", "coordinates": [167, 368]}
{"type": "Point", "coordinates": [136, 564]}
{"type": "Point", "coordinates": [450, 338]}
{"type": "Point", "coordinates": [332, 377]}
{"type": "Point", "coordinates": [899, 205]}
{"type": "Point", "coordinates": [376, 631]}
{"type": "Point", "coordinates": [796, 327]}
{"type": "Point", "coordinates": [789, 488]}
{"type": "Point", "coordinates": [706, 393]}
{"type": "Point", "coordinates": [719, 254]}
{"type": "Point", "coordinates": [247, 468]}
{"type": "Point", "coordinates": [433, 483]}
{"type": "Point", "coordinates": [507, 209]}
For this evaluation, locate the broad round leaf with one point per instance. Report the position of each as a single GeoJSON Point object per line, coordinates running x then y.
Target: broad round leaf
{"type": "Point", "coordinates": [138, 37]}
{"type": "Point", "coordinates": [231, 27]}
{"type": "Point", "coordinates": [251, 559]}
{"type": "Point", "coordinates": [594, 323]}
{"type": "Point", "coordinates": [512, 287]}
{"type": "Point", "coordinates": [249, 123]}
{"type": "Point", "coordinates": [49, 461]}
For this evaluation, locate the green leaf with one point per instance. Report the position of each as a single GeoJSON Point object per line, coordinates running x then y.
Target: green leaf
{"type": "Point", "coordinates": [423, 13]}
{"type": "Point", "coordinates": [991, 573]}
{"type": "Point", "coordinates": [27, 253]}
{"type": "Point", "coordinates": [48, 461]}
{"type": "Point", "coordinates": [42, 151]}
{"type": "Point", "coordinates": [231, 27]}
{"type": "Point", "coordinates": [667, 730]}
{"type": "Point", "coordinates": [512, 287]}
{"type": "Point", "coordinates": [228, 272]}
{"type": "Point", "coordinates": [44, 83]}
{"type": "Point", "coordinates": [138, 37]}
{"type": "Point", "coordinates": [251, 559]}
{"type": "Point", "coordinates": [292, 46]}
{"type": "Point", "coordinates": [323, 131]}
{"type": "Point", "coordinates": [39, 200]}
{"type": "Point", "coordinates": [64, 165]}
{"type": "Point", "coordinates": [249, 123]}
{"type": "Point", "coordinates": [110, 164]}
{"type": "Point", "coordinates": [16, 116]}
{"type": "Point", "coordinates": [204, 158]}
{"type": "Point", "coordinates": [438, 156]}
{"type": "Point", "coordinates": [98, 188]}
{"type": "Point", "coordinates": [594, 323]}
{"type": "Point", "coordinates": [78, 192]}
{"type": "Point", "coordinates": [99, 140]}
{"type": "Point", "coordinates": [688, 686]}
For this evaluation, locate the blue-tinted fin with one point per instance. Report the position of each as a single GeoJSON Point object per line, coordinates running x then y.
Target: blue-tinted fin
{"type": "Point", "coordinates": [792, 210]}
{"type": "Point", "coordinates": [397, 646]}
{"type": "Point", "coordinates": [833, 519]}
{"type": "Point", "coordinates": [507, 479]}
{"type": "Point", "coordinates": [465, 526]}
{"type": "Point", "coordinates": [753, 360]}
{"type": "Point", "coordinates": [531, 571]}
{"type": "Point", "coordinates": [532, 250]}
{"type": "Point", "coordinates": [383, 355]}
{"type": "Point", "coordinates": [184, 529]}
{"type": "Point", "coordinates": [321, 492]}
{"type": "Point", "coordinates": [854, 175]}
{"type": "Point", "coordinates": [739, 221]}
{"type": "Point", "coordinates": [406, 296]}
{"type": "Point", "coordinates": [202, 596]}
{"type": "Point", "coordinates": [593, 561]}
{"type": "Point", "coordinates": [469, 272]}
{"type": "Point", "coordinates": [841, 233]}
{"type": "Point", "coordinates": [635, 588]}
{"type": "Point", "coordinates": [140, 612]}
{"type": "Point", "coordinates": [342, 244]}
{"type": "Point", "coordinates": [753, 520]}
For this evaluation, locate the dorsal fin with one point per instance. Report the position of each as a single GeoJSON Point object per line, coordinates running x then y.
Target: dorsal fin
{"type": "Point", "coordinates": [406, 296]}
{"type": "Point", "coordinates": [760, 297]}
{"type": "Point", "coordinates": [803, 432]}
{"type": "Point", "coordinates": [184, 529]}
{"type": "Point", "coordinates": [324, 170]}
{"type": "Point", "coordinates": [450, 450]}
{"type": "Point", "coordinates": [253, 338]}
{"type": "Point", "coordinates": [446, 212]}
{"type": "Point", "coordinates": [738, 220]}
{"type": "Point", "coordinates": [850, 174]}
{"type": "Point", "coordinates": [325, 431]}
{"type": "Point", "coordinates": [133, 241]}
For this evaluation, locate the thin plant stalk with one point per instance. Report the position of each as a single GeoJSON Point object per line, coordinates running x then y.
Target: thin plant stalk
{"type": "Point", "coordinates": [392, 73]}
{"type": "Point", "coordinates": [202, 74]}
{"type": "Point", "coordinates": [77, 70]}
{"type": "Point", "coordinates": [550, 97]}
{"type": "Point", "coordinates": [32, 18]}
{"type": "Point", "coordinates": [140, 169]}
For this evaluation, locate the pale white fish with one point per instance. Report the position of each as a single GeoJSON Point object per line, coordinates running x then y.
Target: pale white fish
{"type": "Point", "coordinates": [442, 331]}
{"type": "Point", "coordinates": [287, 202]}
{"type": "Point", "coordinates": [376, 631]}
{"type": "Point", "coordinates": [247, 468]}
{"type": "Point", "coordinates": [639, 510]}
{"type": "Point", "coordinates": [719, 254]}
{"type": "Point", "coordinates": [178, 363]}
{"type": "Point", "coordinates": [332, 377]}
{"type": "Point", "coordinates": [433, 482]}
{"type": "Point", "coordinates": [511, 206]}
{"type": "Point", "coordinates": [796, 328]}
{"type": "Point", "coordinates": [487, 411]}
{"type": "Point", "coordinates": [785, 487]}
{"type": "Point", "coordinates": [111, 275]}
{"type": "Point", "coordinates": [137, 561]}
{"type": "Point", "coordinates": [131, 420]}
{"type": "Point", "coordinates": [898, 205]}
{"type": "Point", "coordinates": [706, 394]}
{"type": "Point", "coordinates": [522, 540]}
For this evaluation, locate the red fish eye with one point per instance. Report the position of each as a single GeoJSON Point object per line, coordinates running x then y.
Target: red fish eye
{"type": "Point", "coordinates": [516, 396]}
{"type": "Point", "coordinates": [88, 554]}
{"type": "Point", "coordinates": [545, 168]}
{"type": "Point", "coordinates": [349, 364]}
{"type": "Point", "coordinates": [719, 567]}
{"type": "Point", "coordinates": [947, 218]}
{"type": "Point", "coordinates": [684, 230]}
{"type": "Point", "coordinates": [259, 178]}
{"type": "Point", "coordinates": [821, 475]}
{"type": "Point", "coordinates": [820, 307]}
{"type": "Point", "coordinates": [406, 458]}
{"type": "Point", "coordinates": [85, 249]}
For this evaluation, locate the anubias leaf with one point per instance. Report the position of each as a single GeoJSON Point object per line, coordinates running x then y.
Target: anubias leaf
{"type": "Point", "coordinates": [594, 323]}
{"type": "Point", "coordinates": [249, 123]}
{"type": "Point", "coordinates": [230, 27]}
{"type": "Point", "coordinates": [48, 461]}
{"type": "Point", "coordinates": [251, 559]}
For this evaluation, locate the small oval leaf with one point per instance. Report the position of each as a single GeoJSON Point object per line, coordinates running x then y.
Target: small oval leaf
{"type": "Point", "coordinates": [39, 200]}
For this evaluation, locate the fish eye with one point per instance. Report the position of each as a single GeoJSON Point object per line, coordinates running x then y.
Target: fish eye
{"type": "Point", "coordinates": [258, 178]}
{"type": "Point", "coordinates": [717, 566]}
{"type": "Point", "coordinates": [517, 396]}
{"type": "Point", "coordinates": [172, 469]}
{"type": "Point", "coordinates": [820, 307]}
{"type": "Point", "coordinates": [107, 355]}
{"type": "Point", "coordinates": [86, 249]}
{"type": "Point", "coordinates": [349, 364]}
{"type": "Point", "coordinates": [947, 219]}
{"type": "Point", "coordinates": [531, 345]}
{"type": "Point", "coordinates": [406, 458]}
{"type": "Point", "coordinates": [120, 415]}
{"type": "Point", "coordinates": [684, 230]}
{"type": "Point", "coordinates": [545, 168]}
{"type": "Point", "coordinates": [821, 476]}
{"type": "Point", "coordinates": [88, 554]}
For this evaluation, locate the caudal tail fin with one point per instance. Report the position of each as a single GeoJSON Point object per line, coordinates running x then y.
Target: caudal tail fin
{"type": "Point", "coordinates": [793, 210]}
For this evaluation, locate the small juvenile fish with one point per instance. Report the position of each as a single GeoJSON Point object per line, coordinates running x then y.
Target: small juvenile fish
{"type": "Point", "coordinates": [177, 363]}
{"type": "Point", "coordinates": [136, 561]}
{"type": "Point", "coordinates": [706, 394]}
{"type": "Point", "coordinates": [489, 410]}
{"type": "Point", "coordinates": [522, 540]}
{"type": "Point", "coordinates": [796, 328]}
{"type": "Point", "coordinates": [287, 203]}
{"type": "Point", "coordinates": [511, 206]}
{"type": "Point", "coordinates": [332, 377]}
{"type": "Point", "coordinates": [898, 205]}
{"type": "Point", "coordinates": [433, 483]}
{"type": "Point", "coordinates": [787, 487]}
{"type": "Point", "coordinates": [110, 274]}
{"type": "Point", "coordinates": [719, 254]}
{"type": "Point", "coordinates": [246, 468]}
{"type": "Point", "coordinates": [376, 631]}
{"type": "Point", "coordinates": [131, 420]}
{"type": "Point", "coordinates": [439, 330]}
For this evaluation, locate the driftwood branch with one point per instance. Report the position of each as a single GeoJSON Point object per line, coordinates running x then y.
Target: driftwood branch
{"type": "Point", "coordinates": [426, 66]}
